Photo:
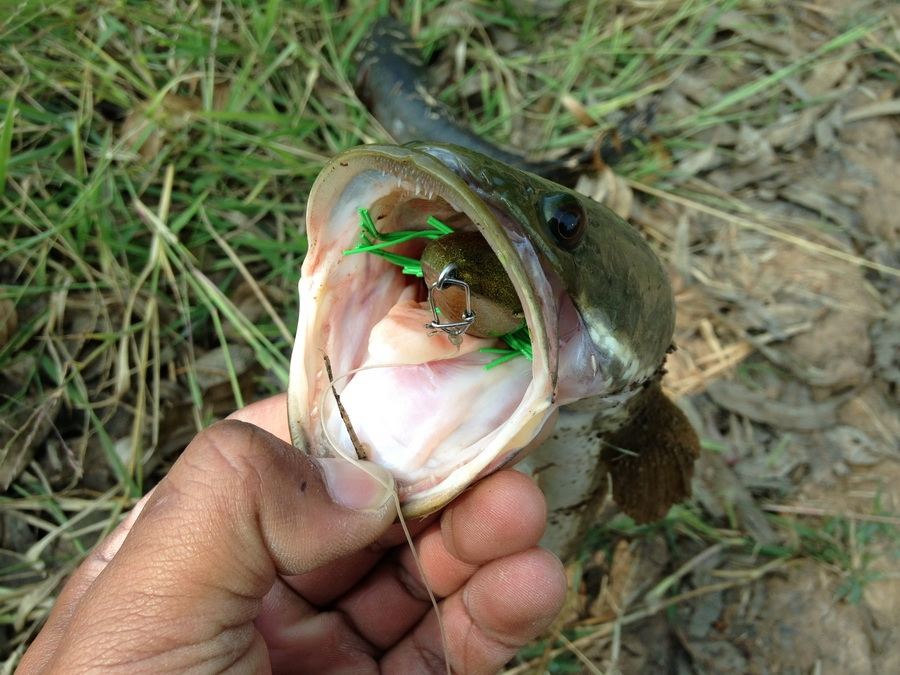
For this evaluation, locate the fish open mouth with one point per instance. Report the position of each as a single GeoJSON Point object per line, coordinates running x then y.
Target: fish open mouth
{"type": "Point", "coordinates": [410, 400]}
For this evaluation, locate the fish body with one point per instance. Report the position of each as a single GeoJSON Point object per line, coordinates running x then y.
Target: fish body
{"type": "Point", "coordinates": [596, 301]}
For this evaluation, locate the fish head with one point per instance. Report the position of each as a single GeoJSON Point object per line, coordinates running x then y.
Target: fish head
{"type": "Point", "coordinates": [368, 379]}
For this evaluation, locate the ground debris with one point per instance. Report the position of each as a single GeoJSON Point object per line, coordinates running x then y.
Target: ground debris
{"type": "Point", "coordinates": [23, 431]}
{"type": "Point", "coordinates": [9, 321]}
{"type": "Point", "coordinates": [217, 366]}
{"type": "Point", "coordinates": [722, 492]}
{"type": "Point", "coordinates": [150, 124]}
{"type": "Point", "coordinates": [760, 407]}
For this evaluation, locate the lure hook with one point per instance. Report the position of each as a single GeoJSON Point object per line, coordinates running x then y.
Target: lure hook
{"type": "Point", "coordinates": [453, 329]}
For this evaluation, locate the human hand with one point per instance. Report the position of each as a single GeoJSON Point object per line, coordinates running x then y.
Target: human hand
{"type": "Point", "coordinates": [242, 559]}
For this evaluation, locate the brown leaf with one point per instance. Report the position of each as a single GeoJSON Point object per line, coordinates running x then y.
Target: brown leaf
{"type": "Point", "coordinates": [22, 432]}
{"type": "Point", "coordinates": [578, 111]}
{"type": "Point", "coordinates": [212, 368]}
{"type": "Point", "coordinates": [147, 125]}
{"type": "Point", "coordinates": [614, 594]}
{"type": "Point", "coordinates": [721, 493]}
{"type": "Point", "coordinates": [759, 407]}
{"type": "Point", "coordinates": [825, 77]}
{"type": "Point", "coordinates": [610, 190]}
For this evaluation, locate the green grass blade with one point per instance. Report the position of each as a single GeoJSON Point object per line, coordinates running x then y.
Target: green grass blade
{"type": "Point", "coordinates": [6, 139]}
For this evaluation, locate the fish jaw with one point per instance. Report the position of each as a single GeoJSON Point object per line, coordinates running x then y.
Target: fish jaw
{"type": "Point", "coordinates": [437, 423]}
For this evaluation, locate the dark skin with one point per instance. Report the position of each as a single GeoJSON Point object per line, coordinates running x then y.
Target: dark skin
{"type": "Point", "coordinates": [250, 556]}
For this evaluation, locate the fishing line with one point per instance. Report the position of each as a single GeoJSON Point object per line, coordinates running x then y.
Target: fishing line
{"type": "Point", "coordinates": [358, 464]}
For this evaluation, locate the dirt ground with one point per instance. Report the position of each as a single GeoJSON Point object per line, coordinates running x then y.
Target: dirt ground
{"type": "Point", "coordinates": [796, 355]}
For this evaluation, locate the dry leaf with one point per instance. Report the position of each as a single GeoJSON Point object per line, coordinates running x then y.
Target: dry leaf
{"type": "Point", "coordinates": [212, 368]}
{"type": "Point", "coordinates": [752, 147]}
{"type": "Point", "coordinates": [825, 77]}
{"type": "Point", "coordinates": [699, 162]}
{"type": "Point", "coordinates": [145, 128]}
{"type": "Point", "coordinates": [9, 321]}
{"type": "Point", "coordinates": [758, 406]}
{"type": "Point", "coordinates": [22, 432]}
{"type": "Point", "coordinates": [614, 594]}
{"type": "Point", "coordinates": [578, 111]}
{"type": "Point", "coordinates": [610, 190]}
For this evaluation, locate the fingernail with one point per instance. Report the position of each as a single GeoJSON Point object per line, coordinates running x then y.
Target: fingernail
{"type": "Point", "coordinates": [361, 486]}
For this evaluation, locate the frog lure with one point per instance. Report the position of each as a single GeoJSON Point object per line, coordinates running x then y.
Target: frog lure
{"type": "Point", "coordinates": [468, 291]}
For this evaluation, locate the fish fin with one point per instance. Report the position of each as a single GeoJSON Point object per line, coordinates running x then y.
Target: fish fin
{"type": "Point", "coordinates": [651, 459]}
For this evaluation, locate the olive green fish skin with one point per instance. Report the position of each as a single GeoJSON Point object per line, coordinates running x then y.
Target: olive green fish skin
{"type": "Point", "coordinates": [614, 279]}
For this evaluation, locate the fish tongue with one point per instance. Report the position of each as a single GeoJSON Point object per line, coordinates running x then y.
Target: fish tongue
{"type": "Point", "coordinates": [422, 420]}
{"type": "Point", "coordinates": [405, 402]}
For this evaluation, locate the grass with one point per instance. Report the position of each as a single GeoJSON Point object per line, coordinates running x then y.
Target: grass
{"type": "Point", "coordinates": [154, 164]}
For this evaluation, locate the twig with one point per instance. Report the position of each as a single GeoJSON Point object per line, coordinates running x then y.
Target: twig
{"type": "Point", "coordinates": [354, 439]}
{"type": "Point", "coordinates": [660, 589]}
{"type": "Point", "coordinates": [586, 662]}
{"type": "Point", "coordinates": [764, 229]}
{"type": "Point", "coordinates": [818, 512]}
{"type": "Point", "coordinates": [607, 628]}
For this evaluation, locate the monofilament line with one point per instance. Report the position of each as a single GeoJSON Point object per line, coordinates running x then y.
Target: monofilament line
{"type": "Point", "coordinates": [356, 462]}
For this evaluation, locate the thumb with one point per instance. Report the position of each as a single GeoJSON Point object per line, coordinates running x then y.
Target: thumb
{"type": "Point", "coordinates": [238, 507]}
{"type": "Point", "coordinates": [240, 495]}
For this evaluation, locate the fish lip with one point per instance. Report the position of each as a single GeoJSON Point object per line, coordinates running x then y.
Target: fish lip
{"type": "Point", "coordinates": [506, 238]}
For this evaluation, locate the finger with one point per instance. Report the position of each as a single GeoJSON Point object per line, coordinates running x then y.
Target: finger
{"type": "Point", "coordinates": [296, 632]}
{"type": "Point", "coordinates": [503, 514]}
{"type": "Point", "coordinates": [506, 604]}
{"type": "Point", "coordinates": [237, 508]}
{"type": "Point", "coordinates": [269, 414]}
{"type": "Point", "coordinates": [323, 586]}
{"type": "Point", "coordinates": [48, 639]}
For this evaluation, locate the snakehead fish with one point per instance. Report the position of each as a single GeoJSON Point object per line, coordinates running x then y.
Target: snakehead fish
{"type": "Point", "coordinates": [586, 407]}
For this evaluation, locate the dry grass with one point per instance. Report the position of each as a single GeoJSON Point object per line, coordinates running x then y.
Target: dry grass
{"type": "Point", "coordinates": [154, 164]}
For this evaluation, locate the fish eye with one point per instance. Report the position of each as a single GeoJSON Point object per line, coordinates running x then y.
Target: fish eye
{"type": "Point", "coordinates": [565, 219]}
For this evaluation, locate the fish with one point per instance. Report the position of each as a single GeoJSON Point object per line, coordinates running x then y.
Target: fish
{"type": "Point", "coordinates": [586, 408]}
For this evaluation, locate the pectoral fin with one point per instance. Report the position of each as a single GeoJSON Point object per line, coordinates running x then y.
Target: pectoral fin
{"type": "Point", "coordinates": [651, 459]}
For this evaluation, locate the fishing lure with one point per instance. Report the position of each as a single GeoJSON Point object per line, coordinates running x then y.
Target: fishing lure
{"type": "Point", "coordinates": [480, 301]}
